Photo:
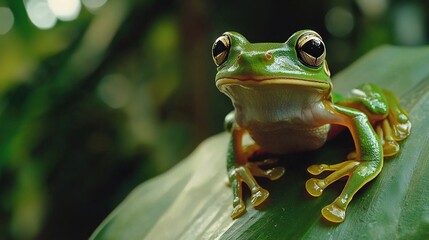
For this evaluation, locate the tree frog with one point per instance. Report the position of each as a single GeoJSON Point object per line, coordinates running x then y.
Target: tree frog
{"type": "Point", "coordinates": [283, 99]}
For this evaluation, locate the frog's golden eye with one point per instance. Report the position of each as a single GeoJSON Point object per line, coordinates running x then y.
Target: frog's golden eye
{"type": "Point", "coordinates": [311, 49]}
{"type": "Point", "coordinates": [220, 49]}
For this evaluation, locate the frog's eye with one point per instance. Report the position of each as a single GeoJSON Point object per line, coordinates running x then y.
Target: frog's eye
{"type": "Point", "coordinates": [220, 49]}
{"type": "Point", "coordinates": [311, 49]}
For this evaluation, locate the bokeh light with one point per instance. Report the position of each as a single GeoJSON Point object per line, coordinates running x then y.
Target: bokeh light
{"type": "Point", "coordinates": [373, 8]}
{"type": "Point", "coordinates": [65, 10]}
{"type": "Point", "coordinates": [6, 20]}
{"type": "Point", "coordinates": [93, 4]}
{"type": "Point", "coordinates": [114, 90]}
{"type": "Point", "coordinates": [45, 13]}
{"type": "Point", "coordinates": [339, 21]}
{"type": "Point", "coordinates": [409, 27]}
{"type": "Point", "coordinates": [40, 14]}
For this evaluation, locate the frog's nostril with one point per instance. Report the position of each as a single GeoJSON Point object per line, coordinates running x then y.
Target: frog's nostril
{"type": "Point", "coordinates": [268, 56]}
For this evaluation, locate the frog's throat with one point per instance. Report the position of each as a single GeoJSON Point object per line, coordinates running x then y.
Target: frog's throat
{"type": "Point", "coordinates": [323, 86]}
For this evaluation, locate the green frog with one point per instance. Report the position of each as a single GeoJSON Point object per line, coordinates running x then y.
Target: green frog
{"type": "Point", "coordinates": [283, 99]}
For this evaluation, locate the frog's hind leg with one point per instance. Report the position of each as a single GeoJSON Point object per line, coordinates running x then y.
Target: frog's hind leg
{"type": "Point", "coordinates": [388, 118]}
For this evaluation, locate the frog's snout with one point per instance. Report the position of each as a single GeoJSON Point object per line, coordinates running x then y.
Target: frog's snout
{"type": "Point", "coordinates": [254, 58]}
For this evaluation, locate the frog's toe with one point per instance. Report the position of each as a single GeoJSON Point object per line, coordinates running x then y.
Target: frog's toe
{"type": "Point", "coordinates": [314, 187]}
{"type": "Point", "coordinates": [238, 208]}
{"type": "Point", "coordinates": [390, 148]}
{"type": "Point", "coordinates": [259, 195]}
{"type": "Point", "coordinates": [317, 169]}
{"type": "Point", "coordinates": [275, 173]}
{"type": "Point", "coordinates": [401, 130]}
{"type": "Point", "coordinates": [334, 213]}
{"type": "Point", "coordinates": [389, 135]}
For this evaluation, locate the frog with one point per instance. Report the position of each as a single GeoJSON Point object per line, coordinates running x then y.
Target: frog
{"type": "Point", "coordinates": [283, 100]}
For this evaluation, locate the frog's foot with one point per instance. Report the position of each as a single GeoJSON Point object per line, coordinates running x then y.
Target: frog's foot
{"type": "Point", "coordinates": [237, 176]}
{"type": "Point", "coordinates": [359, 172]}
{"type": "Point", "coordinates": [316, 186]}
{"type": "Point", "coordinates": [390, 134]}
{"type": "Point", "coordinates": [384, 132]}
{"type": "Point", "coordinates": [394, 128]}
{"type": "Point", "coordinates": [336, 211]}
{"type": "Point", "coordinates": [272, 173]}
{"type": "Point", "coordinates": [256, 170]}
{"type": "Point", "coordinates": [398, 118]}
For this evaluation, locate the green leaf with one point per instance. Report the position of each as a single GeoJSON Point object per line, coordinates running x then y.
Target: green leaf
{"type": "Point", "coordinates": [192, 201]}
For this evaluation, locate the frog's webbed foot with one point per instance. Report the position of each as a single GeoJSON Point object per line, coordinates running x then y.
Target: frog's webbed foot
{"type": "Point", "coordinates": [316, 186]}
{"type": "Point", "coordinates": [245, 174]}
{"type": "Point", "coordinates": [271, 173]}
{"type": "Point", "coordinates": [359, 173]}
{"type": "Point", "coordinates": [394, 128]}
{"type": "Point", "coordinates": [336, 211]}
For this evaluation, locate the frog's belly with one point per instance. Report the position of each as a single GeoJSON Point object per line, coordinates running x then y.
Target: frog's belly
{"type": "Point", "coordinates": [287, 140]}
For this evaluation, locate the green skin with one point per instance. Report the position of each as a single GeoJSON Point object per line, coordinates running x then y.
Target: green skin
{"type": "Point", "coordinates": [286, 106]}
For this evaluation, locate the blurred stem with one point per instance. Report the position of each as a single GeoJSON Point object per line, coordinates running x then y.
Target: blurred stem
{"type": "Point", "coordinates": [194, 24]}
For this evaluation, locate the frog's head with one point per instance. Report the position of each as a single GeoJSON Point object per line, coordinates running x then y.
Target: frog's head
{"type": "Point", "coordinates": [299, 62]}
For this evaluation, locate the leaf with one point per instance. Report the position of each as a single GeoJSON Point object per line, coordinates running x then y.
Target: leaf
{"type": "Point", "coordinates": [192, 201]}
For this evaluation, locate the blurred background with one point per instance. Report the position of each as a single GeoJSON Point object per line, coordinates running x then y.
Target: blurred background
{"type": "Point", "coordinates": [97, 96]}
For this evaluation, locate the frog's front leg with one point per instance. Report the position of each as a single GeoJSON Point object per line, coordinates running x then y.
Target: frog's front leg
{"type": "Point", "coordinates": [365, 167]}
{"type": "Point", "coordinates": [240, 170]}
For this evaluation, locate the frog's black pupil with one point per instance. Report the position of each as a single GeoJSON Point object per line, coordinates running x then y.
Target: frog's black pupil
{"type": "Point", "coordinates": [314, 48]}
{"type": "Point", "coordinates": [219, 48]}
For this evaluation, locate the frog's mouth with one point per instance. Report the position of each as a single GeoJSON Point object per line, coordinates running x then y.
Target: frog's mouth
{"type": "Point", "coordinates": [251, 82]}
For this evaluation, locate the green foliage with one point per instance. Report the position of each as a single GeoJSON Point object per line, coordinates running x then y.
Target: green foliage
{"type": "Point", "coordinates": [191, 201]}
{"type": "Point", "coordinates": [86, 126]}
